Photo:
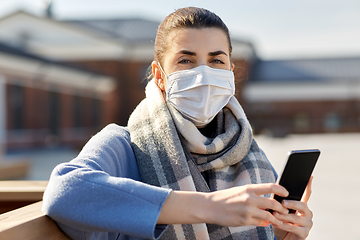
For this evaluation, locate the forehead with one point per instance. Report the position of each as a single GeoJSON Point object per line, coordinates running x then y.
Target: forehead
{"type": "Point", "coordinates": [198, 40]}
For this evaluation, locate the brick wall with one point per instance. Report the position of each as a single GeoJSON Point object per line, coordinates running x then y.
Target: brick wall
{"type": "Point", "coordinates": [51, 116]}
{"type": "Point", "coordinates": [281, 118]}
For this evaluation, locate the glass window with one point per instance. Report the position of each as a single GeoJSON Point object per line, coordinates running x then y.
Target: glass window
{"type": "Point", "coordinates": [77, 111]}
{"type": "Point", "coordinates": [16, 93]}
{"type": "Point", "coordinates": [54, 108]}
{"type": "Point", "coordinates": [301, 122]}
{"type": "Point", "coordinates": [96, 113]}
{"type": "Point", "coordinates": [332, 122]}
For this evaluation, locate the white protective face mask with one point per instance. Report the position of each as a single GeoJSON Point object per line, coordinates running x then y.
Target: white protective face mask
{"type": "Point", "coordinates": [199, 93]}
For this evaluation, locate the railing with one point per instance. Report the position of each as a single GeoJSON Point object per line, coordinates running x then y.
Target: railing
{"type": "Point", "coordinates": [27, 222]}
{"type": "Point", "coordinates": [13, 169]}
{"type": "Point", "coordinates": [16, 194]}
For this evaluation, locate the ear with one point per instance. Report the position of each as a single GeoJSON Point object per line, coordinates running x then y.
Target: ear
{"type": "Point", "coordinates": [158, 76]}
{"type": "Point", "coordinates": [232, 66]}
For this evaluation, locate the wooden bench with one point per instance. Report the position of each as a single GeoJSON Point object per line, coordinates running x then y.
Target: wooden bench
{"type": "Point", "coordinates": [16, 194]}
{"type": "Point", "coordinates": [29, 223]}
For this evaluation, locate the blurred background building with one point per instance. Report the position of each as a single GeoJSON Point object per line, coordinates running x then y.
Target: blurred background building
{"type": "Point", "coordinates": [304, 96]}
{"type": "Point", "coordinates": [62, 80]}
{"type": "Point", "coordinates": [45, 103]}
{"type": "Point", "coordinates": [84, 74]}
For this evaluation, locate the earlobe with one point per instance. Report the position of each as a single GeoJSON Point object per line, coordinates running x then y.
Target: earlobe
{"type": "Point", "coordinates": [232, 66]}
{"type": "Point", "coordinates": [160, 83]}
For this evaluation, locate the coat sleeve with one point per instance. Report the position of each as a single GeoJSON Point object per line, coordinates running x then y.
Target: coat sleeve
{"type": "Point", "coordinates": [100, 190]}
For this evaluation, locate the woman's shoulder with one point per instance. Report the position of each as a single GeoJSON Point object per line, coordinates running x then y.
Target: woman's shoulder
{"type": "Point", "coordinates": [117, 130]}
{"type": "Point", "coordinates": [112, 138]}
{"type": "Point", "coordinates": [111, 149]}
{"type": "Point", "coordinates": [112, 132]}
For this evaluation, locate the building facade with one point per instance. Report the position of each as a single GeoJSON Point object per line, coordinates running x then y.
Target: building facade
{"type": "Point", "coordinates": [45, 103]}
{"type": "Point", "coordinates": [120, 48]}
{"type": "Point", "coordinates": [304, 96]}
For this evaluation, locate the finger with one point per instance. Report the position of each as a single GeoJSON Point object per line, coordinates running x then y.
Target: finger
{"type": "Point", "coordinates": [260, 214]}
{"type": "Point", "coordinates": [258, 222]}
{"type": "Point", "coordinates": [269, 203]}
{"type": "Point", "coordinates": [263, 223]}
{"type": "Point", "coordinates": [267, 188]}
{"type": "Point", "coordinates": [300, 226]}
{"type": "Point", "coordinates": [308, 191]}
{"type": "Point", "coordinates": [301, 207]}
{"type": "Point", "coordinates": [300, 232]}
{"type": "Point", "coordinates": [294, 219]}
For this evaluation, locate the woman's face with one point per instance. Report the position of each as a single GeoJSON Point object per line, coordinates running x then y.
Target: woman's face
{"type": "Point", "coordinates": [189, 48]}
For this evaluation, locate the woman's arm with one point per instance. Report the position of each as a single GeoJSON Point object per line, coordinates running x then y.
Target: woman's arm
{"type": "Point", "coordinates": [100, 190]}
{"type": "Point", "coordinates": [238, 206]}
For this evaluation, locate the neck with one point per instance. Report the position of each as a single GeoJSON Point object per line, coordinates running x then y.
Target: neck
{"type": "Point", "coordinates": [209, 129]}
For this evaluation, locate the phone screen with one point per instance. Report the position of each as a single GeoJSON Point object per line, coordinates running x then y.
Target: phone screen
{"type": "Point", "coordinates": [297, 172]}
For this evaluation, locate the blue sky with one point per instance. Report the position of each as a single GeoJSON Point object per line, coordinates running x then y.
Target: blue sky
{"type": "Point", "coordinates": [277, 28]}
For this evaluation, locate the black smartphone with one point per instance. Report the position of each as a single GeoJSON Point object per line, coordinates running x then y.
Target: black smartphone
{"type": "Point", "coordinates": [296, 173]}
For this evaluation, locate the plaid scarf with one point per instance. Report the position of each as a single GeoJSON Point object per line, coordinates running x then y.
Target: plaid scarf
{"type": "Point", "coordinates": [172, 153]}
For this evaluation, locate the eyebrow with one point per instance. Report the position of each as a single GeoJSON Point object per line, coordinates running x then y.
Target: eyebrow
{"type": "Point", "coordinates": [215, 53]}
{"type": "Point", "coordinates": [187, 52]}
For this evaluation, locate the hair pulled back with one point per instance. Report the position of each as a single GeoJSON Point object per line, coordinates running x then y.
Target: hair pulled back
{"type": "Point", "coordinates": [190, 17]}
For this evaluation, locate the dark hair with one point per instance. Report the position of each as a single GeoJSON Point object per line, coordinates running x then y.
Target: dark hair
{"type": "Point", "coordinates": [190, 17]}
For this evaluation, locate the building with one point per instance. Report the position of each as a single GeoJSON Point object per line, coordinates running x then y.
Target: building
{"type": "Point", "coordinates": [121, 48]}
{"type": "Point", "coordinates": [46, 103]}
{"type": "Point", "coordinates": [304, 96]}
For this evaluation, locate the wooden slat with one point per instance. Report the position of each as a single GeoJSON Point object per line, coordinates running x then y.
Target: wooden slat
{"type": "Point", "coordinates": [14, 170]}
{"type": "Point", "coordinates": [22, 190]}
{"type": "Point", "coordinates": [29, 223]}
{"type": "Point", "coordinates": [16, 194]}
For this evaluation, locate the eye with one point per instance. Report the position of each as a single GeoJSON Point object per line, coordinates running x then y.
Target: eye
{"type": "Point", "coordinates": [184, 61]}
{"type": "Point", "coordinates": [217, 61]}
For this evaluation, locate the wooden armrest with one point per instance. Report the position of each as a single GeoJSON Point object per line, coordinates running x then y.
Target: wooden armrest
{"type": "Point", "coordinates": [29, 223]}
{"type": "Point", "coordinates": [16, 194]}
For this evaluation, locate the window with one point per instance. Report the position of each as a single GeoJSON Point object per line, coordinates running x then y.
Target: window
{"type": "Point", "coordinates": [96, 113]}
{"type": "Point", "coordinates": [16, 93]}
{"type": "Point", "coordinates": [332, 122]}
{"type": "Point", "coordinates": [77, 112]}
{"type": "Point", "coordinates": [54, 108]}
{"type": "Point", "coordinates": [301, 123]}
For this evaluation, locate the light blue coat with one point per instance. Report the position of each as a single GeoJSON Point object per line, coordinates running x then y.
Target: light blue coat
{"type": "Point", "coordinates": [99, 194]}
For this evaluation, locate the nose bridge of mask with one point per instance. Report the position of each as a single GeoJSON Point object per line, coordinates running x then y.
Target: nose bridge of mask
{"type": "Point", "coordinates": [200, 76]}
{"type": "Point", "coordinates": [216, 77]}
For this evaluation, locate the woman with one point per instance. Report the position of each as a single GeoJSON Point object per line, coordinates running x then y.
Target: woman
{"type": "Point", "coordinates": [187, 166]}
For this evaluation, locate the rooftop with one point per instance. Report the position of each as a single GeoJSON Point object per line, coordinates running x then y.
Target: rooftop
{"type": "Point", "coordinates": [129, 31]}
{"type": "Point", "coordinates": [332, 69]}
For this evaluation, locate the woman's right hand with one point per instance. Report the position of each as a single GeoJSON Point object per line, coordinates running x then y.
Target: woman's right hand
{"type": "Point", "coordinates": [237, 206]}
{"type": "Point", "coordinates": [245, 205]}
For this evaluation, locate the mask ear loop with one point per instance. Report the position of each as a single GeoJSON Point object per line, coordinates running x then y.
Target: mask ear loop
{"type": "Point", "coordinates": [162, 70]}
